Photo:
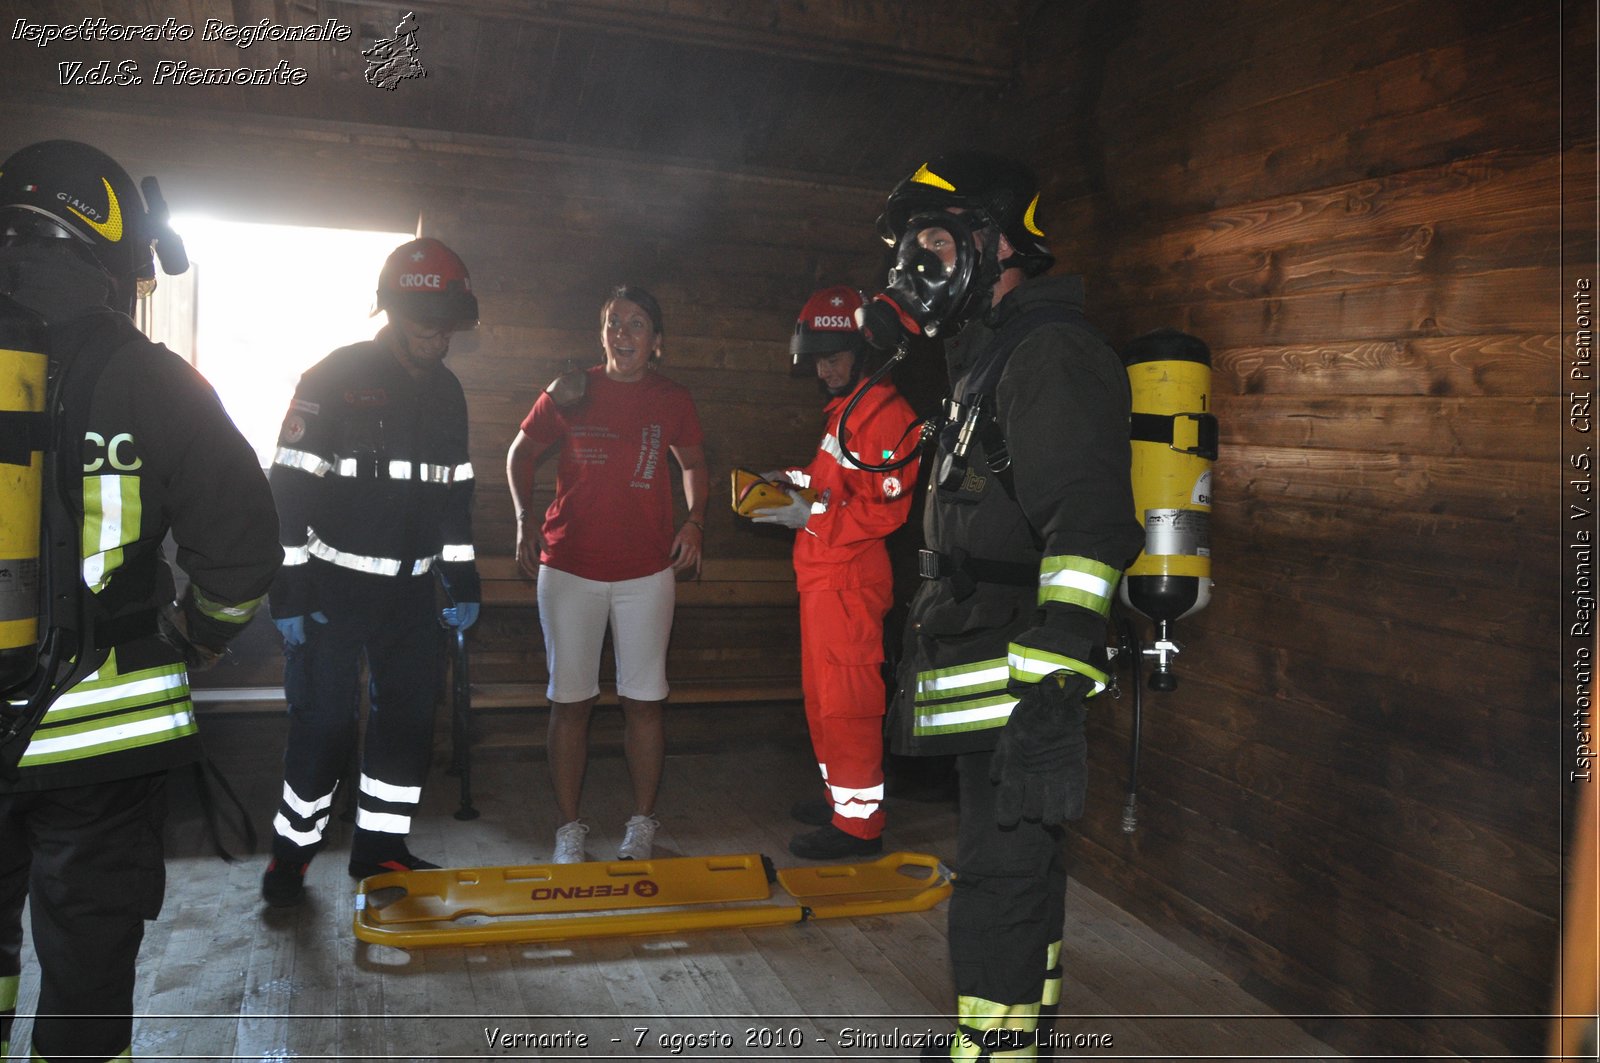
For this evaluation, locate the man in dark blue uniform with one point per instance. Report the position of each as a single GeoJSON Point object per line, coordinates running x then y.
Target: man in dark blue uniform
{"type": "Point", "coordinates": [374, 491]}
{"type": "Point", "coordinates": [1029, 523]}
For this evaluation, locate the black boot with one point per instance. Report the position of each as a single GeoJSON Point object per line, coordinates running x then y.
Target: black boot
{"type": "Point", "coordinates": [831, 843]}
{"type": "Point", "coordinates": [284, 884]}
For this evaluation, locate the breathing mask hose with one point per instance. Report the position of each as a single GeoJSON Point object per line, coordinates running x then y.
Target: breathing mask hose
{"type": "Point", "coordinates": [1135, 654]}
{"type": "Point", "coordinates": [926, 427]}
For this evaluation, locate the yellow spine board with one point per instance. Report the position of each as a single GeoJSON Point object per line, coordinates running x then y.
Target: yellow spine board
{"type": "Point", "coordinates": [557, 902]}
{"type": "Point", "coordinates": [22, 390]}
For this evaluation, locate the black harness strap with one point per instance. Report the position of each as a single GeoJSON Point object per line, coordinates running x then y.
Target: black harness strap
{"type": "Point", "coordinates": [1162, 428]}
{"type": "Point", "coordinates": [21, 433]}
{"type": "Point", "coordinates": [979, 383]}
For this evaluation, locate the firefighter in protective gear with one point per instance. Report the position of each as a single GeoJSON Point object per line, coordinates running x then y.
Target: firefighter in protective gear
{"type": "Point", "coordinates": [842, 571]}
{"type": "Point", "coordinates": [374, 490]}
{"type": "Point", "coordinates": [138, 446]}
{"type": "Point", "coordinates": [1028, 525]}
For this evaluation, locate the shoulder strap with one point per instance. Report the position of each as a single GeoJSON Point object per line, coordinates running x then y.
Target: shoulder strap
{"type": "Point", "coordinates": [984, 376]}
{"type": "Point", "coordinates": [979, 384]}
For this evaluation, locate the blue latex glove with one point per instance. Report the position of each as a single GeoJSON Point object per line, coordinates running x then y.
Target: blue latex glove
{"type": "Point", "coordinates": [293, 628]}
{"type": "Point", "coordinates": [462, 615]}
{"type": "Point", "coordinates": [794, 515]}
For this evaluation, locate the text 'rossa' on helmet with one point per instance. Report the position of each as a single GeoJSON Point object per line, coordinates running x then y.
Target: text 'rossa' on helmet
{"type": "Point", "coordinates": [426, 282]}
{"type": "Point", "coordinates": [826, 325]}
{"type": "Point", "coordinates": [1006, 193]}
{"type": "Point", "coordinates": [64, 189]}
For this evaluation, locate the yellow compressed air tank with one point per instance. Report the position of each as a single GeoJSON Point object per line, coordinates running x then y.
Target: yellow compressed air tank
{"type": "Point", "coordinates": [1174, 437]}
{"type": "Point", "coordinates": [24, 369]}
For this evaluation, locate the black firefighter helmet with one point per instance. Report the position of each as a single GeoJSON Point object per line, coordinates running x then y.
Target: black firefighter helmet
{"type": "Point", "coordinates": [64, 189]}
{"type": "Point", "coordinates": [1006, 193]}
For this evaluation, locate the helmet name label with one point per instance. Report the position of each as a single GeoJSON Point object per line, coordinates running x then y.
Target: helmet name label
{"type": "Point", "coordinates": [421, 280]}
{"type": "Point", "coordinates": [833, 321]}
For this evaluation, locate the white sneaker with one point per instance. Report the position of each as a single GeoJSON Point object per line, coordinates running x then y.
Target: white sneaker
{"type": "Point", "coordinates": [569, 843]}
{"type": "Point", "coordinates": [637, 838]}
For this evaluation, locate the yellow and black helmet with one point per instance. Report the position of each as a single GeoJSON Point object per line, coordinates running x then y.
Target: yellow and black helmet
{"type": "Point", "coordinates": [1006, 193]}
{"type": "Point", "coordinates": [63, 189]}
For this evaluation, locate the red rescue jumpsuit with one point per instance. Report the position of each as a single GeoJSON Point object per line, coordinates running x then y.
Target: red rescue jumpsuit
{"type": "Point", "coordinates": [846, 587]}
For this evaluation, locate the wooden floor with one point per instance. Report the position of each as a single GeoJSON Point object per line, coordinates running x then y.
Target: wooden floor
{"type": "Point", "coordinates": [222, 977]}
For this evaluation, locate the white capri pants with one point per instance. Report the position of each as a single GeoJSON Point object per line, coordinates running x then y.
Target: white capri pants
{"type": "Point", "coordinates": [574, 612]}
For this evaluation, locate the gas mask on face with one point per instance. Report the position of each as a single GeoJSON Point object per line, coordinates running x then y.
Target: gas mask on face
{"type": "Point", "coordinates": [946, 266]}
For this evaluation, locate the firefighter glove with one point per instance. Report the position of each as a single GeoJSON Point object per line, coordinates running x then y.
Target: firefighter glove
{"type": "Point", "coordinates": [176, 631]}
{"type": "Point", "coordinates": [794, 515]}
{"type": "Point", "coordinates": [1040, 763]}
{"type": "Point", "coordinates": [461, 615]}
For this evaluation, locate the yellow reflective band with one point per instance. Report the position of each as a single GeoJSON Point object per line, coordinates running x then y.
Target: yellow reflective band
{"type": "Point", "coordinates": [1008, 1023]}
{"type": "Point", "coordinates": [965, 715]}
{"type": "Point", "coordinates": [1079, 581]}
{"type": "Point", "coordinates": [162, 683]}
{"type": "Point", "coordinates": [232, 614]}
{"type": "Point", "coordinates": [925, 176]}
{"type": "Point", "coordinates": [84, 738]}
{"type": "Point", "coordinates": [1029, 665]}
{"type": "Point", "coordinates": [111, 514]}
{"type": "Point", "coordinates": [1052, 975]}
{"type": "Point", "coordinates": [979, 677]}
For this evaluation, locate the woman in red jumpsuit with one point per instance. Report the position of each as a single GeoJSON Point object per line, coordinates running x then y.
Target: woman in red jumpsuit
{"type": "Point", "coordinates": [842, 572]}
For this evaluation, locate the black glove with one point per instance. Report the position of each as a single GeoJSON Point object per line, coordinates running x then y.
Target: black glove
{"type": "Point", "coordinates": [175, 622]}
{"type": "Point", "coordinates": [1041, 763]}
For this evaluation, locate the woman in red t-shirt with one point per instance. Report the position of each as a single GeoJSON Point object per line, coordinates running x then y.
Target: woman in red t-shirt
{"type": "Point", "coordinates": [606, 552]}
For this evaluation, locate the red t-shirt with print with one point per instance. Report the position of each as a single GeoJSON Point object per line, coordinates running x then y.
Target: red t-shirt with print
{"type": "Point", "coordinates": [612, 515]}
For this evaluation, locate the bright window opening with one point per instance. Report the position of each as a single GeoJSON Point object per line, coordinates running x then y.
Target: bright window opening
{"type": "Point", "coordinates": [261, 304]}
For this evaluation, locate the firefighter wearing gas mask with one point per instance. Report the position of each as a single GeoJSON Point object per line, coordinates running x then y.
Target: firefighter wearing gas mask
{"type": "Point", "coordinates": [374, 484]}
{"type": "Point", "coordinates": [131, 443]}
{"type": "Point", "coordinates": [842, 571]}
{"type": "Point", "coordinates": [1028, 525]}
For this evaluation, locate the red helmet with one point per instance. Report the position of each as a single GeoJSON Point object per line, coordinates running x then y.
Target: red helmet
{"type": "Point", "coordinates": [426, 282]}
{"type": "Point", "coordinates": [827, 323]}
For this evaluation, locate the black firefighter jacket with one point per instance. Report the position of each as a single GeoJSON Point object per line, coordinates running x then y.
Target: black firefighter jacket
{"type": "Point", "coordinates": [373, 482]}
{"type": "Point", "coordinates": [1032, 551]}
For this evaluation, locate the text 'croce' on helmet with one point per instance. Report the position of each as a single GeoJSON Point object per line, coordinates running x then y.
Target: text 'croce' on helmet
{"type": "Point", "coordinates": [63, 189]}
{"type": "Point", "coordinates": [426, 282]}
{"type": "Point", "coordinates": [1006, 193]}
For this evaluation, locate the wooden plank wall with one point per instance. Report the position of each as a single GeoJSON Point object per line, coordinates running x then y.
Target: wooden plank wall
{"type": "Point", "coordinates": [546, 234]}
{"type": "Point", "coordinates": [1354, 796]}
{"type": "Point", "coordinates": [1350, 803]}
